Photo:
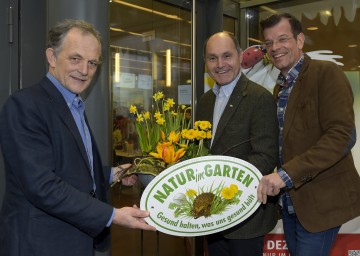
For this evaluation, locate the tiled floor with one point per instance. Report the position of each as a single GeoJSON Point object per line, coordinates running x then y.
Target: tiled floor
{"type": "Point", "coordinates": [129, 242]}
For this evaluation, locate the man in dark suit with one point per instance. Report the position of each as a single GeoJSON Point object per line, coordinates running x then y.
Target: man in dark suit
{"type": "Point", "coordinates": [320, 187]}
{"type": "Point", "coordinates": [56, 186]}
{"type": "Point", "coordinates": [243, 115]}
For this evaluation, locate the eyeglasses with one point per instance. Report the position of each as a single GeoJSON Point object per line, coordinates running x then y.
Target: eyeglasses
{"type": "Point", "coordinates": [281, 40]}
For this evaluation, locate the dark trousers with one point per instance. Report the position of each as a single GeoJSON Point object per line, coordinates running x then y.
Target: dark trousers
{"type": "Point", "coordinates": [221, 246]}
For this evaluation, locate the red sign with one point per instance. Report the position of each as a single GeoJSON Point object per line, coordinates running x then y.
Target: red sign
{"type": "Point", "coordinates": [345, 244]}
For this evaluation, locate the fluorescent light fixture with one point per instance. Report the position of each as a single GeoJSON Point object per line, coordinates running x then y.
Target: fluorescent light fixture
{"type": "Point", "coordinates": [168, 68]}
{"type": "Point", "coordinates": [129, 32]}
{"type": "Point", "coordinates": [169, 16]}
{"type": "Point", "coordinates": [255, 40]}
{"type": "Point", "coordinates": [177, 43]}
{"type": "Point", "coordinates": [117, 68]}
{"type": "Point", "coordinates": [154, 66]}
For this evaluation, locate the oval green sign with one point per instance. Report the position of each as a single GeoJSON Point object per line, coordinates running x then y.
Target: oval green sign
{"type": "Point", "coordinates": [202, 196]}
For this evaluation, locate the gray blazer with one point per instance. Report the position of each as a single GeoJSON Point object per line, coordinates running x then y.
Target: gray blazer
{"type": "Point", "coordinates": [248, 129]}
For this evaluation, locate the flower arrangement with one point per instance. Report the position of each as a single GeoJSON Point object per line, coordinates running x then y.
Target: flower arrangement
{"type": "Point", "coordinates": [166, 137]}
{"type": "Point", "coordinates": [195, 204]}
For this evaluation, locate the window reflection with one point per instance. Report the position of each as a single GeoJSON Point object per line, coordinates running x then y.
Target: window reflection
{"type": "Point", "coordinates": [150, 51]}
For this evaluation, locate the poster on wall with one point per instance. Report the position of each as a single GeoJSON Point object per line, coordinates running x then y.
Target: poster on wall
{"type": "Point", "coordinates": [127, 80]}
{"type": "Point", "coordinates": [144, 82]}
{"type": "Point", "coordinates": [184, 94]}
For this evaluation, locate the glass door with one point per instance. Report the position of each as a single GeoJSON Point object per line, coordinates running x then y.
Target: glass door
{"type": "Point", "coordinates": [150, 47]}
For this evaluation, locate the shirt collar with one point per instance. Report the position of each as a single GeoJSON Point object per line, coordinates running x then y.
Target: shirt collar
{"type": "Point", "coordinates": [228, 88]}
{"type": "Point", "coordinates": [291, 75]}
{"type": "Point", "coordinates": [68, 95]}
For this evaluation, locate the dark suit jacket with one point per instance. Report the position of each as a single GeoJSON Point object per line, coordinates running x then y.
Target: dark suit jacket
{"type": "Point", "coordinates": [249, 115]}
{"type": "Point", "coordinates": [318, 134]}
{"type": "Point", "coordinates": [47, 208]}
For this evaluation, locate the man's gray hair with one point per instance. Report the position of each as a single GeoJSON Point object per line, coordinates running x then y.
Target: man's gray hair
{"type": "Point", "coordinates": [57, 34]}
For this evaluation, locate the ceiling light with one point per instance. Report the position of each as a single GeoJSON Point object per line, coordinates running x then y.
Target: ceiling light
{"type": "Point", "coordinates": [117, 67]}
{"type": "Point", "coordinates": [168, 68]}
{"type": "Point", "coordinates": [148, 10]}
{"type": "Point", "coordinates": [121, 30]}
{"type": "Point", "coordinates": [327, 13]}
{"type": "Point", "coordinates": [352, 45]}
{"type": "Point", "coordinates": [268, 9]}
{"type": "Point", "coordinates": [173, 42]}
{"type": "Point", "coordinates": [255, 40]}
{"type": "Point", "coordinates": [312, 28]}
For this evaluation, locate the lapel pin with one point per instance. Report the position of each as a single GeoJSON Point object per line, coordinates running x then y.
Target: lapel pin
{"type": "Point", "coordinates": [231, 105]}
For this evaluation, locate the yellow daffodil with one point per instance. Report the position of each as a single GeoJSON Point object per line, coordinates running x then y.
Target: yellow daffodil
{"type": "Point", "coordinates": [166, 107]}
{"type": "Point", "coordinates": [170, 102]}
{"type": "Point", "coordinates": [158, 96]}
{"type": "Point", "coordinates": [147, 115]}
{"type": "Point", "coordinates": [160, 121]}
{"type": "Point", "coordinates": [162, 131]}
{"type": "Point", "coordinates": [174, 137]}
{"type": "Point", "coordinates": [139, 118]}
{"type": "Point", "coordinates": [133, 109]}
{"type": "Point", "coordinates": [157, 115]}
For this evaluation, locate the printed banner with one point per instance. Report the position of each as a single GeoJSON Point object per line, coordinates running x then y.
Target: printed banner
{"type": "Point", "coordinates": [345, 244]}
{"type": "Point", "coordinates": [202, 196]}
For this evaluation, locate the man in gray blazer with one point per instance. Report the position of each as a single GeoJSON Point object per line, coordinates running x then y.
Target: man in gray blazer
{"type": "Point", "coordinates": [55, 200]}
{"type": "Point", "coordinates": [243, 115]}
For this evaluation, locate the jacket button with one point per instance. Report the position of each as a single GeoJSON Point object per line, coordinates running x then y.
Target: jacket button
{"type": "Point", "coordinates": [306, 179]}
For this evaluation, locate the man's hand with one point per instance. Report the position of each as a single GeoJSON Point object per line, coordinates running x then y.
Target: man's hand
{"type": "Point", "coordinates": [269, 185]}
{"type": "Point", "coordinates": [132, 217]}
{"type": "Point", "coordinates": [127, 180]}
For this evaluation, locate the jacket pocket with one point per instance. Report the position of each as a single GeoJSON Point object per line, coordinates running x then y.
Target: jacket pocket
{"type": "Point", "coordinates": [329, 193]}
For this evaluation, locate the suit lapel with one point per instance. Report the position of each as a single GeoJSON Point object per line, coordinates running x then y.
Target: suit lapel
{"type": "Point", "coordinates": [295, 99]}
{"type": "Point", "coordinates": [234, 101]}
{"type": "Point", "coordinates": [59, 105]}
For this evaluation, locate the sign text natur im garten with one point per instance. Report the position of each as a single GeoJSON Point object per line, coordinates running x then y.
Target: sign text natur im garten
{"type": "Point", "coordinates": [202, 196]}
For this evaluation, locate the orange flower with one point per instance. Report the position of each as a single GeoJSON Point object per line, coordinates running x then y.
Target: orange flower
{"type": "Point", "coordinates": [166, 152]}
